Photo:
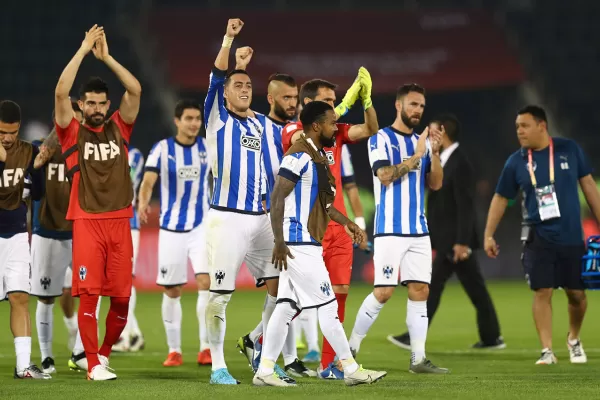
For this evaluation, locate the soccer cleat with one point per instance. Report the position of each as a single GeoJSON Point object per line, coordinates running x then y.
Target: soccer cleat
{"type": "Point", "coordinates": [174, 359]}
{"type": "Point", "coordinates": [547, 358]}
{"type": "Point", "coordinates": [48, 365]}
{"type": "Point", "coordinates": [312, 356]}
{"type": "Point", "coordinates": [31, 372]}
{"type": "Point", "coordinates": [402, 341]}
{"type": "Point", "coordinates": [122, 345]}
{"type": "Point", "coordinates": [103, 360]}
{"type": "Point", "coordinates": [270, 380]}
{"type": "Point", "coordinates": [78, 362]}
{"type": "Point", "coordinates": [299, 370]}
{"type": "Point", "coordinates": [427, 367]}
{"type": "Point", "coordinates": [256, 353]}
{"type": "Point", "coordinates": [576, 352]}
{"type": "Point", "coordinates": [246, 347]}
{"type": "Point", "coordinates": [331, 372]}
{"type": "Point", "coordinates": [101, 373]}
{"type": "Point", "coordinates": [136, 343]}
{"type": "Point", "coordinates": [222, 377]}
{"type": "Point", "coordinates": [204, 357]}
{"type": "Point", "coordinates": [363, 376]}
{"type": "Point", "coordinates": [283, 376]}
{"type": "Point", "coordinates": [498, 344]}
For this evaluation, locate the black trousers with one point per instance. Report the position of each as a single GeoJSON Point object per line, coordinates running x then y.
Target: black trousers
{"type": "Point", "coordinates": [469, 275]}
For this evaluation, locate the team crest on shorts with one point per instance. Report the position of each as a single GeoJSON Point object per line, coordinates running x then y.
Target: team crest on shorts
{"type": "Point", "coordinates": [219, 276]}
{"type": "Point", "coordinates": [326, 288]}
{"type": "Point", "coordinates": [45, 282]}
{"type": "Point", "coordinates": [82, 272]}
{"type": "Point", "coordinates": [388, 270]}
{"type": "Point", "coordinates": [163, 272]}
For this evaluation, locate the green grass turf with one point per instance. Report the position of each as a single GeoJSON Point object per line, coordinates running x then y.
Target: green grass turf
{"type": "Point", "coordinates": [509, 373]}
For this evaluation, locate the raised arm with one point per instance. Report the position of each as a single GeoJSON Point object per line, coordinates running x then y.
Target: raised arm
{"type": "Point", "coordinates": [371, 125]}
{"type": "Point", "coordinates": [62, 102]}
{"type": "Point", "coordinates": [390, 173]}
{"type": "Point", "coordinates": [435, 177]}
{"type": "Point", "coordinates": [234, 26]}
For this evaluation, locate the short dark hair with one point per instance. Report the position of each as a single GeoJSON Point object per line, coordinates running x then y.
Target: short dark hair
{"type": "Point", "coordinates": [314, 112]}
{"type": "Point", "coordinates": [536, 112]}
{"type": "Point", "coordinates": [285, 78]}
{"type": "Point", "coordinates": [10, 112]}
{"type": "Point", "coordinates": [407, 88]}
{"type": "Point", "coordinates": [93, 85]}
{"type": "Point", "coordinates": [451, 125]}
{"type": "Point", "coordinates": [185, 104]}
{"type": "Point", "coordinates": [310, 89]}
{"type": "Point", "coordinates": [234, 72]}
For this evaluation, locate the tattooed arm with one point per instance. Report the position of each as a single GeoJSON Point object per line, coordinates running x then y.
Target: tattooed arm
{"type": "Point", "coordinates": [392, 173]}
{"type": "Point", "coordinates": [47, 150]}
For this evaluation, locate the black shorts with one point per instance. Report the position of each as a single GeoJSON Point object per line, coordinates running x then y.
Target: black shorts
{"type": "Point", "coordinates": [550, 265]}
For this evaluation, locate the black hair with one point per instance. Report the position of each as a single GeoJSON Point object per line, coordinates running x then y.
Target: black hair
{"type": "Point", "coordinates": [10, 112]}
{"type": "Point", "coordinates": [185, 104]}
{"type": "Point", "coordinates": [285, 78]}
{"type": "Point", "coordinates": [234, 72]}
{"type": "Point", "coordinates": [407, 88]}
{"type": "Point", "coordinates": [310, 89]}
{"type": "Point", "coordinates": [536, 112]}
{"type": "Point", "coordinates": [314, 112]}
{"type": "Point", "coordinates": [93, 85]}
{"type": "Point", "coordinates": [451, 125]}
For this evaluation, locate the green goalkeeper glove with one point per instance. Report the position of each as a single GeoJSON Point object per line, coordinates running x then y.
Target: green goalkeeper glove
{"type": "Point", "coordinates": [366, 86]}
{"type": "Point", "coordinates": [349, 99]}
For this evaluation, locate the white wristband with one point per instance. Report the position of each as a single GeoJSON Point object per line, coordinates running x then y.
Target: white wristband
{"type": "Point", "coordinates": [227, 41]}
{"type": "Point", "coordinates": [360, 221]}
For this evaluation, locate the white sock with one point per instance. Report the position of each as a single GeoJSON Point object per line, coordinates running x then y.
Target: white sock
{"type": "Point", "coordinates": [98, 314]}
{"type": "Point", "coordinates": [71, 323]}
{"type": "Point", "coordinates": [216, 325]}
{"type": "Point", "coordinates": [132, 328]}
{"type": "Point", "coordinates": [296, 326]}
{"type": "Point", "coordinates": [44, 321]}
{"type": "Point", "coordinates": [171, 314]}
{"type": "Point", "coordinates": [268, 309]}
{"type": "Point", "coordinates": [255, 334]}
{"type": "Point", "coordinates": [275, 337]}
{"type": "Point", "coordinates": [334, 331]}
{"type": "Point", "coordinates": [78, 348]}
{"type": "Point", "coordinates": [417, 323]}
{"type": "Point", "coordinates": [201, 313]}
{"type": "Point", "coordinates": [23, 351]}
{"type": "Point", "coordinates": [310, 325]}
{"type": "Point", "coordinates": [289, 351]}
{"type": "Point", "coordinates": [367, 314]}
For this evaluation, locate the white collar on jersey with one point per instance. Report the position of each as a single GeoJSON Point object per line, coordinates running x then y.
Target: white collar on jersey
{"type": "Point", "coordinates": [309, 140]}
{"type": "Point", "coordinates": [447, 152]}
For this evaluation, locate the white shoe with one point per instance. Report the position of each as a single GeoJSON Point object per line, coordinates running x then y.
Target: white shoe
{"type": "Point", "coordinates": [576, 353]}
{"type": "Point", "coordinates": [363, 376]}
{"type": "Point", "coordinates": [31, 372]}
{"type": "Point", "coordinates": [101, 373]}
{"type": "Point", "coordinates": [547, 358]}
{"type": "Point", "coordinates": [270, 380]}
{"type": "Point", "coordinates": [122, 344]}
{"type": "Point", "coordinates": [136, 343]}
{"type": "Point", "coordinates": [103, 361]}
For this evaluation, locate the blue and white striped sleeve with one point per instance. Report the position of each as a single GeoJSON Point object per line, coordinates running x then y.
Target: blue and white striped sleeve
{"type": "Point", "coordinates": [214, 104]}
{"type": "Point", "coordinates": [153, 161]}
{"type": "Point", "coordinates": [378, 154]}
{"type": "Point", "coordinates": [347, 167]}
{"type": "Point", "coordinates": [293, 166]}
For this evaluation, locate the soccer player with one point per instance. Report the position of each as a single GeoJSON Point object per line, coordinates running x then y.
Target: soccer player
{"type": "Point", "coordinates": [182, 164]}
{"type": "Point", "coordinates": [101, 196]}
{"type": "Point", "coordinates": [403, 162]}
{"type": "Point", "coordinates": [337, 246]}
{"type": "Point", "coordinates": [238, 227]}
{"type": "Point", "coordinates": [16, 163]}
{"type": "Point", "coordinates": [131, 338]}
{"type": "Point", "coordinates": [547, 170]}
{"type": "Point", "coordinates": [301, 209]}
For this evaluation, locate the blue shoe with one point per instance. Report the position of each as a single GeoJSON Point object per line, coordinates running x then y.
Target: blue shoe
{"type": "Point", "coordinates": [331, 372]}
{"type": "Point", "coordinates": [283, 376]}
{"type": "Point", "coordinates": [222, 377]}
{"type": "Point", "coordinates": [256, 354]}
{"type": "Point", "coordinates": [312, 356]}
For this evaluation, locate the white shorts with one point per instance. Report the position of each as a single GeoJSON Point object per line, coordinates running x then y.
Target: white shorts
{"type": "Point", "coordinates": [15, 267]}
{"type": "Point", "coordinates": [50, 259]}
{"type": "Point", "coordinates": [408, 256]}
{"type": "Point", "coordinates": [174, 249]}
{"type": "Point", "coordinates": [305, 283]}
{"type": "Point", "coordinates": [135, 239]}
{"type": "Point", "coordinates": [233, 238]}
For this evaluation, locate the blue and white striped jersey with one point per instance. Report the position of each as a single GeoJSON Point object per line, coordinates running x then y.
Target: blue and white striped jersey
{"type": "Point", "coordinates": [400, 206]}
{"type": "Point", "coordinates": [347, 167]}
{"type": "Point", "coordinates": [299, 168]}
{"type": "Point", "coordinates": [183, 171]}
{"type": "Point", "coordinates": [235, 145]}
{"type": "Point", "coordinates": [136, 171]}
{"type": "Point", "coordinates": [272, 151]}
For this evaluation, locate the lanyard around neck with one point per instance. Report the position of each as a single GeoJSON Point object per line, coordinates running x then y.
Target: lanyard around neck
{"type": "Point", "coordinates": [530, 165]}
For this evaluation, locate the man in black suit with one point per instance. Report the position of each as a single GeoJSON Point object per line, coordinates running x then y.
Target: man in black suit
{"type": "Point", "coordinates": [452, 228]}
